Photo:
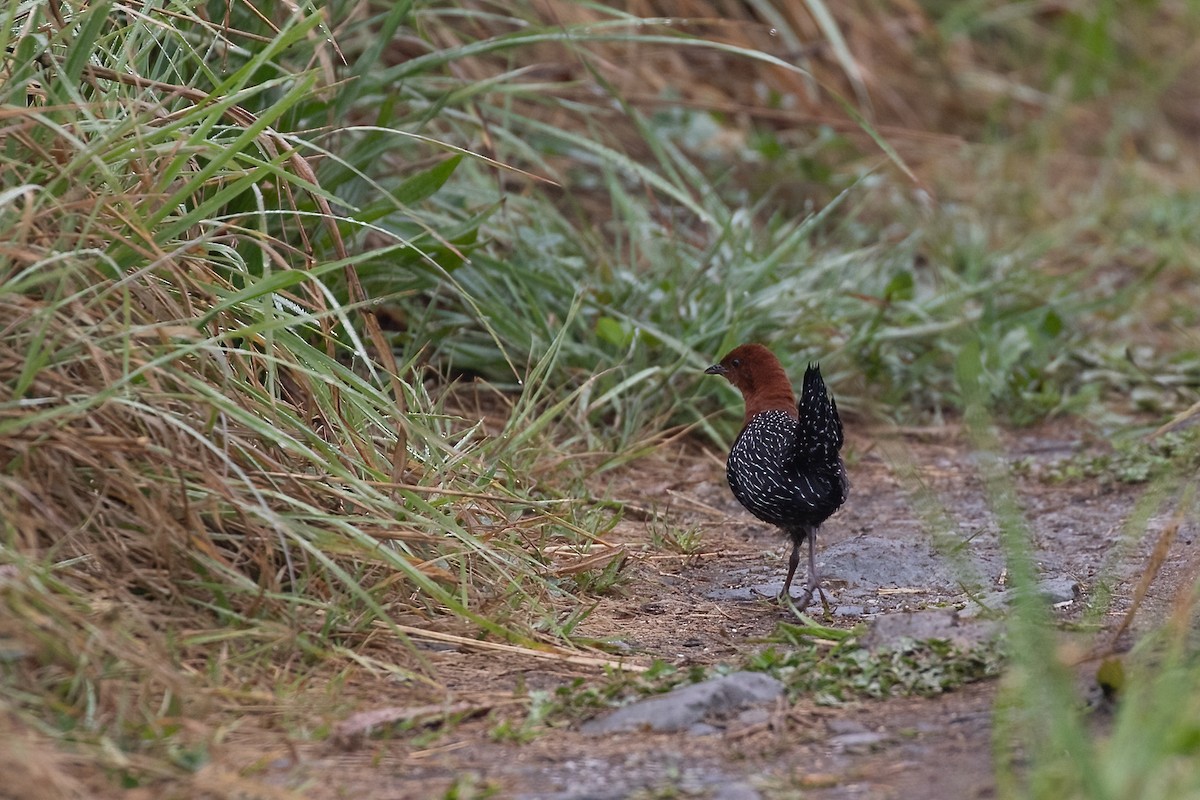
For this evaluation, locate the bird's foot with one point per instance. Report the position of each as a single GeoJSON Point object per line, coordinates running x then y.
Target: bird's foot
{"type": "Point", "coordinates": [824, 602]}
{"type": "Point", "coordinates": [795, 604]}
{"type": "Point", "coordinates": [798, 605]}
{"type": "Point", "coordinates": [801, 602]}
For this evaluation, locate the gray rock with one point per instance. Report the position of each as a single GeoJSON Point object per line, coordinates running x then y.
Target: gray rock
{"type": "Point", "coordinates": [754, 716]}
{"type": "Point", "coordinates": [838, 726]}
{"type": "Point", "coordinates": [857, 742]}
{"type": "Point", "coordinates": [686, 706]}
{"type": "Point", "coordinates": [890, 629]}
{"type": "Point", "coordinates": [874, 561]}
{"type": "Point", "coordinates": [1053, 591]}
{"type": "Point", "coordinates": [991, 604]}
{"type": "Point", "coordinates": [1058, 590]}
{"type": "Point", "coordinates": [734, 791]}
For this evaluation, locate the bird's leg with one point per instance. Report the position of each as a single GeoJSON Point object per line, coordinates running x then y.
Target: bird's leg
{"type": "Point", "coordinates": [786, 591]}
{"type": "Point", "coordinates": [793, 562]}
{"type": "Point", "coordinates": [785, 595]}
{"type": "Point", "coordinates": [814, 583]}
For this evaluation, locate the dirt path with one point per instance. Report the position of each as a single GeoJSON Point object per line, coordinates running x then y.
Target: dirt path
{"type": "Point", "coordinates": [697, 609]}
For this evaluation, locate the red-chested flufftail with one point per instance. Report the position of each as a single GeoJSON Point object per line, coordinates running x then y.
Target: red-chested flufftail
{"type": "Point", "coordinates": [784, 466]}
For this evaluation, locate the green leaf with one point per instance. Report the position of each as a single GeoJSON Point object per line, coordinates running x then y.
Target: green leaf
{"type": "Point", "coordinates": [900, 287]}
{"type": "Point", "coordinates": [425, 184]}
{"type": "Point", "coordinates": [612, 331]}
{"type": "Point", "coordinates": [84, 43]}
{"type": "Point", "coordinates": [1052, 323]}
{"type": "Point", "coordinates": [275, 282]}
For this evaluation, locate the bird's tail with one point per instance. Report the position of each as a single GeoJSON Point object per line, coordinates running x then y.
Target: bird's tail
{"type": "Point", "coordinates": [820, 425]}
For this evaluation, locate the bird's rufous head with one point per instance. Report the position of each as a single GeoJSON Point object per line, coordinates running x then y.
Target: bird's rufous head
{"type": "Point", "coordinates": [757, 374]}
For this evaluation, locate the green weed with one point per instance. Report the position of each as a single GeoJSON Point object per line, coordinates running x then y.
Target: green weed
{"type": "Point", "coordinates": [541, 705]}
{"type": "Point", "coordinates": [807, 660]}
{"type": "Point", "coordinates": [1131, 461]}
{"type": "Point", "coordinates": [469, 786]}
{"type": "Point", "coordinates": [606, 580]}
{"type": "Point", "coordinates": [685, 541]}
{"type": "Point", "coordinates": [842, 670]}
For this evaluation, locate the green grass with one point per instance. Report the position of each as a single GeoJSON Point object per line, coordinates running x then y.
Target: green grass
{"type": "Point", "coordinates": [1043, 744]}
{"type": "Point", "coordinates": [191, 405]}
{"type": "Point", "coordinates": [250, 268]}
{"type": "Point", "coordinates": [1130, 461]}
{"type": "Point", "coordinates": [832, 667]}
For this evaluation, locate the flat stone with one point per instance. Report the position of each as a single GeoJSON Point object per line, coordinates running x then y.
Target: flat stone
{"type": "Point", "coordinates": [754, 716]}
{"type": "Point", "coordinates": [838, 726]}
{"type": "Point", "coordinates": [681, 708]}
{"type": "Point", "coordinates": [735, 790]}
{"type": "Point", "coordinates": [989, 604]}
{"type": "Point", "coordinates": [857, 567]}
{"type": "Point", "coordinates": [1057, 591]}
{"type": "Point", "coordinates": [874, 561]}
{"type": "Point", "coordinates": [858, 742]}
{"type": "Point", "coordinates": [889, 630]}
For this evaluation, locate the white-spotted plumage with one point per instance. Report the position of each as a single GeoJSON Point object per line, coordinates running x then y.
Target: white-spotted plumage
{"type": "Point", "coordinates": [775, 481]}
{"type": "Point", "coordinates": [785, 466]}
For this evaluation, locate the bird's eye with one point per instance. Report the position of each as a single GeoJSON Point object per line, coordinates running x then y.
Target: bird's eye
{"type": "Point", "coordinates": [737, 362]}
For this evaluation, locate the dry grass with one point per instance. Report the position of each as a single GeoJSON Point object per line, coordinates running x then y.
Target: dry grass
{"type": "Point", "coordinates": [209, 481]}
{"type": "Point", "coordinates": [32, 768]}
{"type": "Point", "coordinates": [927, 79]}
{"type": "Point", "coordinates": [198, 488]}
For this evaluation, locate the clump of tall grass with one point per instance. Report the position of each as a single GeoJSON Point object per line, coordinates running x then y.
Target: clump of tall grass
{"type": "Point", "coordinates": [672, 255]}
{"type": "Point", "coordinates": [206, 443]}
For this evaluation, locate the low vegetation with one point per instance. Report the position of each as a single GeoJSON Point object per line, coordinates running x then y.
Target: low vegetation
{"type": "Point", "coordinates": [1131, 460]}
{"type": "Point", "coordinates": [318, 322]}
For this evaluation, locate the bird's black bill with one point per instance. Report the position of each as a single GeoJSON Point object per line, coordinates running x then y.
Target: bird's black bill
{"type": "Point", "coordinates": [715, 369]}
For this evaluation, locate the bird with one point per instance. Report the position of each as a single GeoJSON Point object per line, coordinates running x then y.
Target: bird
{"type": "Point", "coordinates": [785, 466]}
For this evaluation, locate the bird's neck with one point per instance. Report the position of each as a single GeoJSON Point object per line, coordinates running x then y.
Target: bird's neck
{"type": "Point", "coordinates": [773, 398]}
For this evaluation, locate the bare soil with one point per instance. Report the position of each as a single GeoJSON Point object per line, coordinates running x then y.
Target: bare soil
{"type": "Point", "coordinates": [878, 561]}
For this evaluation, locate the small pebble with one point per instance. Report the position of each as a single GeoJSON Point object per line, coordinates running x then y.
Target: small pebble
{"type": "Point", "coordinates": [857, 742]}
